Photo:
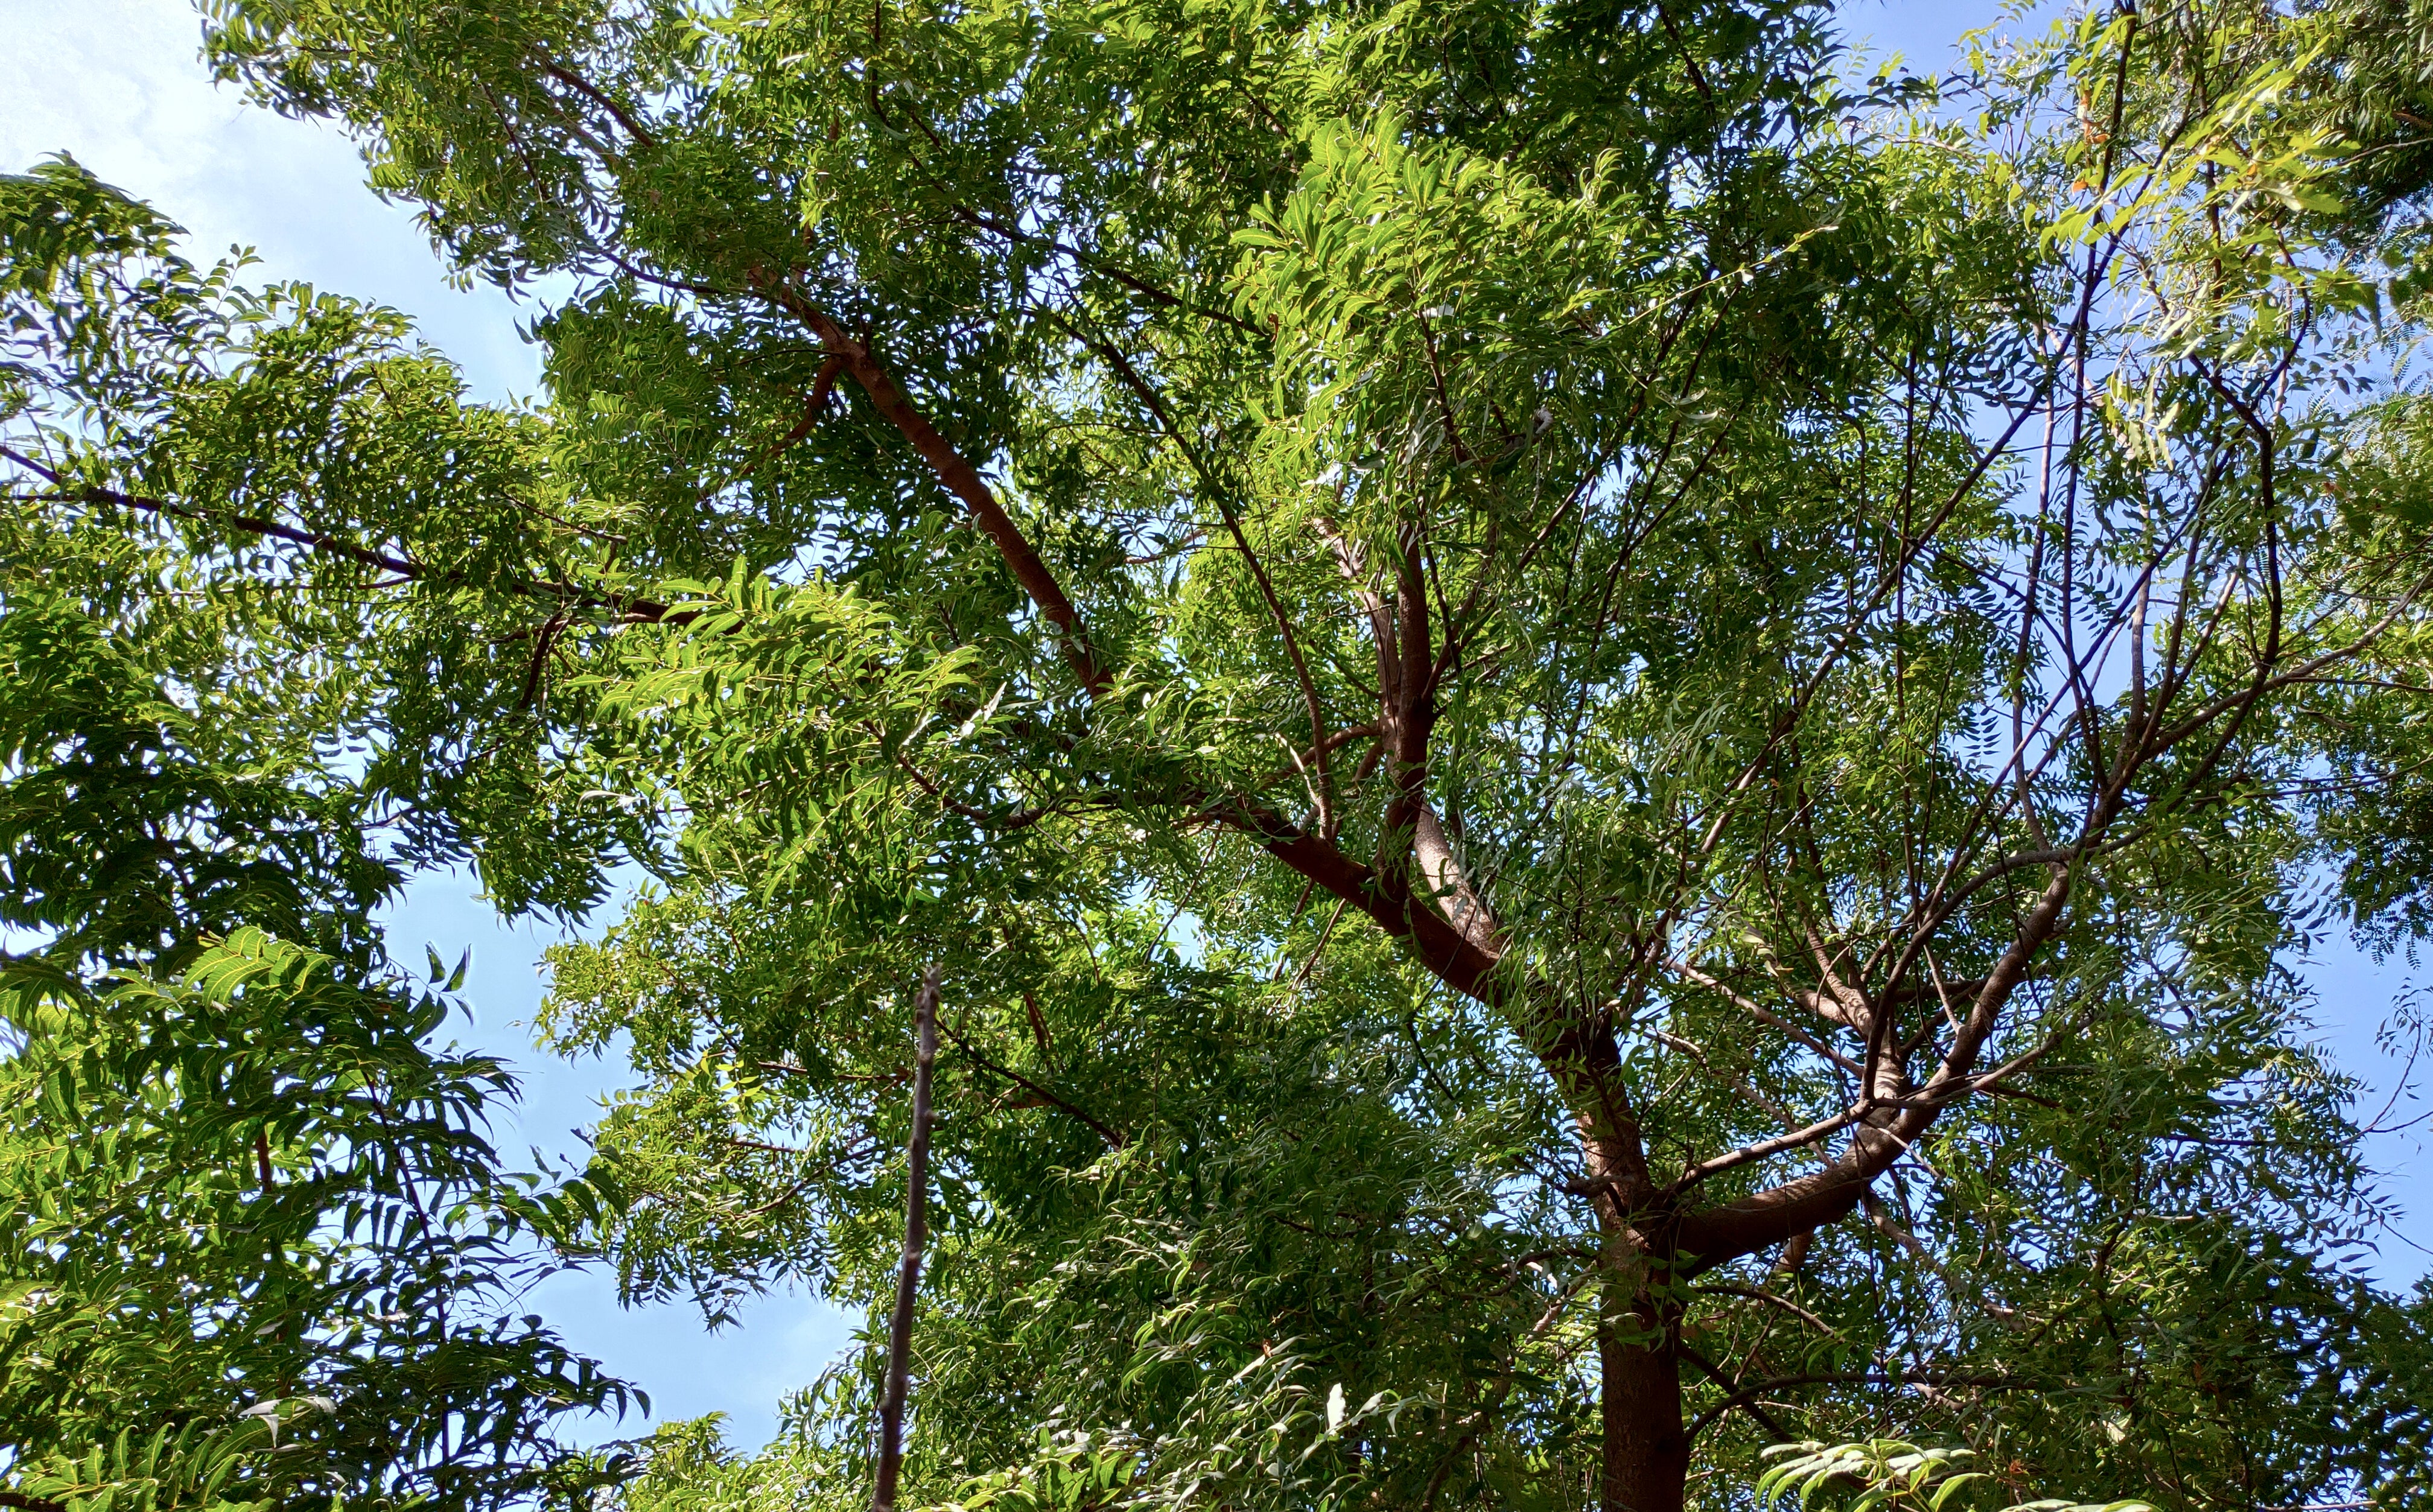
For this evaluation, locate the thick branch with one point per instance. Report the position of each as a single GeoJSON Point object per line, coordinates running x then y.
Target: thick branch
{"type": "Point", "coordinates": [1454, 959]}
{"type": "Point", "coordinates": [1449, 886]}
{"type": "Point", "coordinates": [963, 480]}
{"type": "Point", "coordinates": [1766, 1219]}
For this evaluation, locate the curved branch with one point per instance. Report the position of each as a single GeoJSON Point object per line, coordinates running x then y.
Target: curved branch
{"type": "Point", "coordinates": [961, 479]}
{"type": "Point", "coordinates": [1444, 950]}
{"type": "Point", "coordinates": [1885, 1129]}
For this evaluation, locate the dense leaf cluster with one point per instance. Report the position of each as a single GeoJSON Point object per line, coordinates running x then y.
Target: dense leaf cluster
{"type": "Point", "coordinates": [255, 1246]}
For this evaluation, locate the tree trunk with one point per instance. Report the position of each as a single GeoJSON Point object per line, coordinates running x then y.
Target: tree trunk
{"type": "Point", "coordinates": [1647, 1458]}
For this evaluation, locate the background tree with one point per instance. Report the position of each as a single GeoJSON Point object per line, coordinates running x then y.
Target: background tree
{"type": "Point", "coordinates": [255, 1248]}
{"type": "Point", "coordinates": [1612, 746]}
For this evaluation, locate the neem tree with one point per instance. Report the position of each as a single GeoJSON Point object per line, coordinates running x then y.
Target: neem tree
{"type": "Point", "coordinates": [1608, 753]}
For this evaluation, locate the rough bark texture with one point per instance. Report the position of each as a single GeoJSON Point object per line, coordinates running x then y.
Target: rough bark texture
{"type": "Point", "coordinates": [1646, 1447]}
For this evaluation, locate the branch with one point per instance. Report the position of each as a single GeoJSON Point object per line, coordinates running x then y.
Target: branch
{"type": "Point", "coordinates": [1757, 1294]}
{"type": "Point", "coordinates": [1325, 933]}
{"type": "Point", "coordinates": [1020, 819]}
{"type": "Point", "coordinates": [1220, 491]}
{"type": "Point", "coordinates": [1454, 959]}
{"type": "Point", "coordinates": [632, 611]}
{"type": "Point", "coordinates": [1494, 1401]}
{"type": "Point", "coordinates": [1715, 1372]}
{"type": "Point", "coordinates": [1762, 1014]}
{"type": "Point", "coordinates": [823, 383]}
{"type": "Point", "coordinates": [1096, 264]}
{"type": "Point", "coordinates": [1767, 1217]}
{"type": "Point", "coordinates": [1115, 1141]}
{"type": "Point", "coordinates": [916, 1234]}
{"type": "Point", "coordinates": [961, 479]}
{"type": "Point", "coordinates": [251, 524]}
{"type": "Point", "coordinates": [1705, 93]}
{"type": "Point", "coordinates": [2302, 671]}
{"type": "Point", "coordinates": [1303, 759]}
{"type": "Point", "coordinates": [1848, 634]}
{"type": "Point", "coordinates": [1901, 1378]}
{"type": "Point", "coordinates": [582, 86]}
{"type": "Point", "coordinates": [1449, 888]}
{"type": "Point", "coordinates": [1763, 1148]}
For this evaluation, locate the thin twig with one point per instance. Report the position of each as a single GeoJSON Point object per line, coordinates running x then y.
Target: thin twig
{"type": "Point", "coordinates": [916, 1234]}
{"type": "Point", "coordinates": [1115, 1140]}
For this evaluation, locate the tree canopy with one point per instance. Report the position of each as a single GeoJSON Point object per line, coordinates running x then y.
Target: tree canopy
{"type": "Point", "coordinates": [1611, 739]}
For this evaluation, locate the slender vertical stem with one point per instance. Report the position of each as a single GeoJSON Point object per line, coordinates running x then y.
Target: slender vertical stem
{"type": "Point", "coordinates": [916, 1234]}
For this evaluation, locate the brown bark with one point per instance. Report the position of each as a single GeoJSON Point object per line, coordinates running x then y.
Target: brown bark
{"type": "Point", "coordinates": [1657, 1233]}
{"type": "Point", "coordinates": [1647, 1458]}
{"type": "Point", "coordinates": [916, 1236]}
{"type": "Point", "coordinates": [1717, 1234]}
{"type": "Point", "coordinates": [1438, 943]}
{"type": "Point", "coordinates": [964, 482]}
{"type": "Point", "coordinates": [1647, 1450]}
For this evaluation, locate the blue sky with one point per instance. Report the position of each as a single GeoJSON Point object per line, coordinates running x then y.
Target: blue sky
{"type": "Point", "coordinates": [116, 82]}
